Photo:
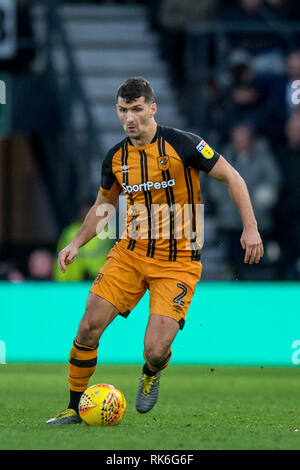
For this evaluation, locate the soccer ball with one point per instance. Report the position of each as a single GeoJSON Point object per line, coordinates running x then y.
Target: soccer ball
{"type": "Point", "coordinates": [102, 405]}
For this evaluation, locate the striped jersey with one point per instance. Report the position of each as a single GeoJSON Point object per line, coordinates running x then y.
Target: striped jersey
{"type": "Point", "coordinates": [161, 182]}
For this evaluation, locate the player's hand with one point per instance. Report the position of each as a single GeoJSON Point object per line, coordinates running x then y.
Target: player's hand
{"type": "Point", "coordinates": [67, 256]}
{"type": "Point", "coordinates": [252, 244]}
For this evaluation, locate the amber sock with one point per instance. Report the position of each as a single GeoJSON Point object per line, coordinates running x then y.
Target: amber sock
{"type": "Point", "coordinates": [82, 364]}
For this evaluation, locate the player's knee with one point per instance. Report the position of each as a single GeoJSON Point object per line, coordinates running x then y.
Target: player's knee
{"type": "Point", "coordinates": [89, 325]}
{"type": "Point", "coordinates": [88, 334]}
{"type": "Point", "coordinates": [156, 353]}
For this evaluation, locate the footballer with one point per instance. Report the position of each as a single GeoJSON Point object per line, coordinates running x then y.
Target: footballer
{"type": "Point", "coordinates": [153, 166]}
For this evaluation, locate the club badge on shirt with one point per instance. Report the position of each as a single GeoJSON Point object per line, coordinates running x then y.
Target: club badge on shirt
{"type": "Point", "coordinates": [205, 149]}
{"type": "Point", "coordinates": [163, 162]}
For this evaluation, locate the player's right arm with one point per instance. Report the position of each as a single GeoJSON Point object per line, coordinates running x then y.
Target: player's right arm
{"type": "Point", "coordinates": [92, 225]}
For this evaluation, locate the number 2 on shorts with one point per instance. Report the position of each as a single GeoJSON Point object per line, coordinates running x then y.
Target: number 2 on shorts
{"type": "Point", "coordinates": [180, 296]}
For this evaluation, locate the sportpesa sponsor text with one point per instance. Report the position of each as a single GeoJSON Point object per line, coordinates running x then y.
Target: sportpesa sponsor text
{"type": "Point", "coordinates": [147, 186]}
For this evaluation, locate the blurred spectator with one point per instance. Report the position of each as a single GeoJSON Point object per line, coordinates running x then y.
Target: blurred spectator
{"type": "Point", "coordinates": [254, 161]}
{"type": "Point", "coordinates": [239, 96]}
{"type": "Point", "coordinates": [90, 257]}
{"type": "Point", "coordinates": [240, 67]}
{"type": "Point", "coordinates": [242, 101]}
{"type": "Point", "coordinates": [40, 265]}
{"type": "Point", "coordinates": [289, 208]}
{"type": "Point", "coordinates": [280, 102]}
{"type": "Point", "coordinates": [245, 105]}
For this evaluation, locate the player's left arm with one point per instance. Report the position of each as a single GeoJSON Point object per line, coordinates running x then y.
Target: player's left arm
{"type": "Point", "coordinates": [250, 240]}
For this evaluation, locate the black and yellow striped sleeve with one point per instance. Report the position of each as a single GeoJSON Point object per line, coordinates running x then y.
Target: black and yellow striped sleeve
{"type": "Point", "coordinates": [193, 150]}
{"type": "Point", "coordinates": [109, 186]}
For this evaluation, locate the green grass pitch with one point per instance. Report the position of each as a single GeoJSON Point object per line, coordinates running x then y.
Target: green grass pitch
{"type": "Point", "coordinates": [198, 408]}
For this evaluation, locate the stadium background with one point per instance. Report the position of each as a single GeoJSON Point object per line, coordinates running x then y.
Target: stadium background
{"type": "Point", "coordinates": [223, 70]}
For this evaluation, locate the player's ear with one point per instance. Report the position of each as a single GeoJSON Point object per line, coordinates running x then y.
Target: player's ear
{"type": "Point", "coordinates": [153, 109]}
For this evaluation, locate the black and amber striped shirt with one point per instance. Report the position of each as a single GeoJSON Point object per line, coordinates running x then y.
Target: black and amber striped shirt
{"type": "Point", "coordinates": [161, 182]}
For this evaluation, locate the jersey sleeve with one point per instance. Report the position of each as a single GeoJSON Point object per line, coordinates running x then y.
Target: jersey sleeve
{"type": "Point", "coordinates": [109, 186]}
{"type": "Point", "coordinates": [192, 149]}
{"type": "Point", "coordinates": [201, 156]}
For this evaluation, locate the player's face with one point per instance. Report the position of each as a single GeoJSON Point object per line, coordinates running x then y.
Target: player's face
{"type": "Point", "coordinates": [136, 116]}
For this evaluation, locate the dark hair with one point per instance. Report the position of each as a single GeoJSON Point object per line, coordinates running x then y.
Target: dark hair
{"type": "Point", "coordinates": [134, 88]}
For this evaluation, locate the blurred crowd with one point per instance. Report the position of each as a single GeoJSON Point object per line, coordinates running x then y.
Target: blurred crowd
{"type": "Point", "coordinates": [252, 117]}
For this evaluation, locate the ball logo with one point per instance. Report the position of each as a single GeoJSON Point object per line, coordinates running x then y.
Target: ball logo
{"type": "Point", "coordinates": [205, 149]}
